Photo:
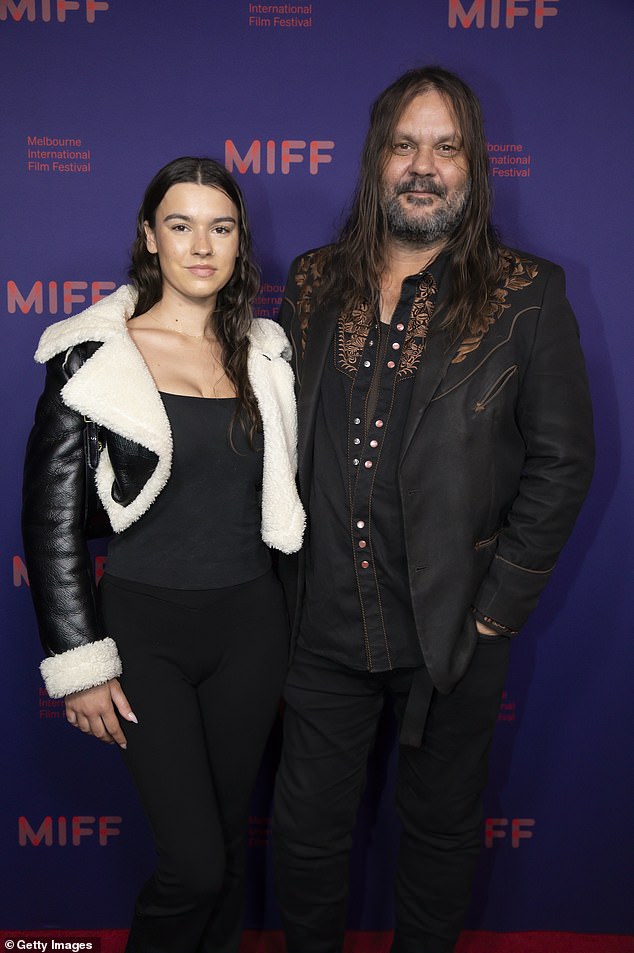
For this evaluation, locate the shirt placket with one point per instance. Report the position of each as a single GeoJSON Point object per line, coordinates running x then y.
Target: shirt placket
{"type": "Point", "coordinates": [367, 438]}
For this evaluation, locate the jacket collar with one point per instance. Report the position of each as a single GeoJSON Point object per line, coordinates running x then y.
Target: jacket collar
{"type": "Point", "coordinates": [115, 388]}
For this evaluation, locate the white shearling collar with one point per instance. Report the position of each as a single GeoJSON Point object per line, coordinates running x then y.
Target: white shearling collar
{"type": "Point", "coordinates": [115, 388]}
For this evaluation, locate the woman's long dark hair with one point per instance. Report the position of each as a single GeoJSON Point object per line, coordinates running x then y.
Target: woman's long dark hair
{"type": "Point", "coordinates": [231, 319]}
{"type": "Point", "coordinates": [358, 257]}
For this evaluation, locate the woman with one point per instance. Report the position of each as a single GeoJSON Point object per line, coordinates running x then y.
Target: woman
{"type": "Point", "coordinates": [183, 405]}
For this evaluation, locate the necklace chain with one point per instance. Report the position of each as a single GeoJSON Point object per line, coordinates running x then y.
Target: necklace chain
{"type": "Point", "coordinates": [194, 337]}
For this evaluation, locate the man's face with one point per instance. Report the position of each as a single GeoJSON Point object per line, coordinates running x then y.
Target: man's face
{"type": "Point", "coordinates": [426, 180]}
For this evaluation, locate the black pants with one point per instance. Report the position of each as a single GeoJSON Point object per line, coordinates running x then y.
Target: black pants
{"type": "Point", "coordinates": [329, 726]}
{"type": "Point", "coordinates": [203, 672]}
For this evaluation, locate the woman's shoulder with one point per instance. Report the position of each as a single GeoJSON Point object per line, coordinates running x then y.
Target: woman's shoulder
{"type": "Point", "coordinates": [102, 320]}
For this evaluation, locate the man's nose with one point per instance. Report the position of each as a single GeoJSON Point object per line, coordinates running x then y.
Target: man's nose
{"type": "Point", "coordinates": [423, 161]}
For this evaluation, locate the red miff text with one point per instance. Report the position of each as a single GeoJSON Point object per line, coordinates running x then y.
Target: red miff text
{"type": "Point", "coordinates": [72, 293]}
{"type": "Point", "coordinates": [495, 828]}
{"type": "Point", "coordinates": [62, 831]}
{"type": "Point", "coordinates": [47, 10]}
{"type": "Point", "coordinates": [507, 11]}
{"type": "Point", "coordinates": [288, 152]}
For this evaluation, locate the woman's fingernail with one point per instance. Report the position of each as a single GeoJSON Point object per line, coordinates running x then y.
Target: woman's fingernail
{"type": "Point", "coordinates": [132, 717]}
{"type": "Point", "coordinates": [123, 746]}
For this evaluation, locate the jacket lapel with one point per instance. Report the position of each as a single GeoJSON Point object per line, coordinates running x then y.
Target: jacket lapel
{"type": "Point", "coordinates": [114, 386]}
{"type": "Point", "coordinates": [319, 339]}
{"type": "Point", "coordinates": [115, 389]}
{"type": "Point", "coordinates": [435, 360]}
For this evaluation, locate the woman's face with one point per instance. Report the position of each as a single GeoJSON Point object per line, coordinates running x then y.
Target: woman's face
{"type": "Point", "coordinates": [196, 237]}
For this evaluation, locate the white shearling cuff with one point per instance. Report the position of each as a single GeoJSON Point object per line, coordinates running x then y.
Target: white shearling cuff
{"type": "Point", "coordinates": [81, 668]}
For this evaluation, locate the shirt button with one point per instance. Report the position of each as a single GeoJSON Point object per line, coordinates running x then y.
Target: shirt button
{"type": "Point", "coordinates": [370, 343]}
{"type": "Point", "coordinates": [396, 346]}
{"type": "Point", "coordinates": [374, 443]}
{"type": "Point", "coordinates": [360, 524]}
{"type": "Point", "coordinates": [366, 363]}
{"type": "Point", "coordinates": [357, 421]}
{"type": "Point", "coordinates": [378, 423]}
{"type": "Point", "coordinates": [391, 364]}
{"type": "Point", "coordinates": [362, 544]}
{"type": "Point", "coordinates": [368, 464]}
{"type": "Point", "coordinates": [364, 564]}
{"type": "Point", "coordinates": [356, 441]}
{"type": "Point", "coordinates": [400, 327]}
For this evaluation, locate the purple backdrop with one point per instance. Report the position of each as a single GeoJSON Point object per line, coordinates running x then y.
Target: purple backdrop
{"type": "Point", "coordinates": [96, 97]}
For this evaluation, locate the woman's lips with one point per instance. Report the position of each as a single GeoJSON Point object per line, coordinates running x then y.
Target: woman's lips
{"type": "Point", "coordinates": [202, 271]}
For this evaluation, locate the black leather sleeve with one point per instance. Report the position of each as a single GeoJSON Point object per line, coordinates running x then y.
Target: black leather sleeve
{"type": "Point", "coordinates": [53, 516]}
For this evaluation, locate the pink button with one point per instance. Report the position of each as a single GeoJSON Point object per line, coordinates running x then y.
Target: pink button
{"type": "Point", "coordinates": [364, 564]}
{"type": "Point", "coordinates": [368, 464]}
{"type": "Point", "coordinates": [396, 346]}
{"type": "Point", "coordinates": [362, 544]}
{"type": "Point", "coordinates": [400, 327]}
{"type": "Point", "coordinates": [391, 364]}
{"type": "Point", "coordinates": [378, 423]}
{"type": "Point", "coordinates": [374, 443]}
{"type": "Point", "coordinates": [360, 524]}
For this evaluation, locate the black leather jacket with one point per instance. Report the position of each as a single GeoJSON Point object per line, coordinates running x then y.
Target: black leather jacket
{"type": "Point", "coordinates": [94, 369]}
{"type": "Point", "coordinates": [61, 508]}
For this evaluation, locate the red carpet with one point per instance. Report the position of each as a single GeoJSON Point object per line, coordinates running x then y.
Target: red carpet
{"type": "Point", "coordinates": [255, 941]}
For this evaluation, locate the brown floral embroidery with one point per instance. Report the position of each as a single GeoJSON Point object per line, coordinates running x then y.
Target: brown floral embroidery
{"type": "Point", "coordinates": [308, 278]}
{"type": "Point", "coordinates": [416, 336]}
{"type": "Point", "coordinates": [352, 330]}
{"type": "Point", "coordinates": [518, 273]}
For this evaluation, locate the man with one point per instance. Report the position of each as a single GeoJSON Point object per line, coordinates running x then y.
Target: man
{"type": "Point", "coordinates": [445, 447]}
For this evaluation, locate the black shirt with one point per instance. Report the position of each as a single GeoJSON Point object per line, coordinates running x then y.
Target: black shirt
{"type": "Point", "coordinates": [357, 607]}
{"type": "Point", "coordinates": [203, 530]}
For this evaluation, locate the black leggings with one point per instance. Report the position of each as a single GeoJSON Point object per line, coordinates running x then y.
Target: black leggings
{"type": "Point", "coordinates": [203, 671]}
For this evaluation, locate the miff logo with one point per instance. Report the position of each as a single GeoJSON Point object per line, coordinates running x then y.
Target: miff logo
{"type": "Point", "coordinates": [72, 293]}
{"type": "Point", "coordinates": [287, 153]}
{"type": "Point", "coordinates": [62, 831]}
{"type": "Point", "coordinates": [46, 10]}
{"type": "Point", "coordinates": [511, 10]}
{"type": "Point", "coordinates": [496, 828]}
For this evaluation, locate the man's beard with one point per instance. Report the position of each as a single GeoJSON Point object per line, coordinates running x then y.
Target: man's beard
{"type": "Point", "coordinates": [437, 225]}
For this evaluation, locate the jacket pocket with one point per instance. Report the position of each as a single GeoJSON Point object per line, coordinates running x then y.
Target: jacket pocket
{"type": "Point", "coordinates": [495, 388]}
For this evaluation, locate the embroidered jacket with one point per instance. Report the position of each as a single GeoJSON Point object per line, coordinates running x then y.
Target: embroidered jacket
{"type": "Point", "coordinates": [114, 388]}
{"type": "Point", "coordinates": [495, 458]}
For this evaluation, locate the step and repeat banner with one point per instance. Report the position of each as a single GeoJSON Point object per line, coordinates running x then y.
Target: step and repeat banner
{"type": "Point", "coordinates": [96, 96]}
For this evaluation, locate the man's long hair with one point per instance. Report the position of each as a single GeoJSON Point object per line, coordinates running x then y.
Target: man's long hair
{"type": "Point", "coordinates": [354, 271]}
{"type": "Point", "coordinates": [231, 320]}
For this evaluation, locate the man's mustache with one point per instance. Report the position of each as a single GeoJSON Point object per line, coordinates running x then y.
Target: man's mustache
{"type": "Point", "coordinates": [421, 183]}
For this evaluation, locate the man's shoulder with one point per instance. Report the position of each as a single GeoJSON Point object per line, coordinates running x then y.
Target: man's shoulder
{"type": "Point", "coordinates": [528, 264]}
{"type": "Point", "coordinates": [309, 266]}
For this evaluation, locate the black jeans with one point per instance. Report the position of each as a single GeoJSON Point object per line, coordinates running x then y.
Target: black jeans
{"type": "Point", "coordinates": [330, 722]}
{"type": "Point", "coordinates": [203, 672]}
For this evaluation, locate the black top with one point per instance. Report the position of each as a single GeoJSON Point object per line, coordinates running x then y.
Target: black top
{"type": "Point", "coordinates": [203, 529]}
{"type": "Point", "coordinates": [357, 607]}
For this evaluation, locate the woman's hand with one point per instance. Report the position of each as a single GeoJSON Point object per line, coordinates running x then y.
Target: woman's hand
{"type": "Point", "coordinates": [93, 711]}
